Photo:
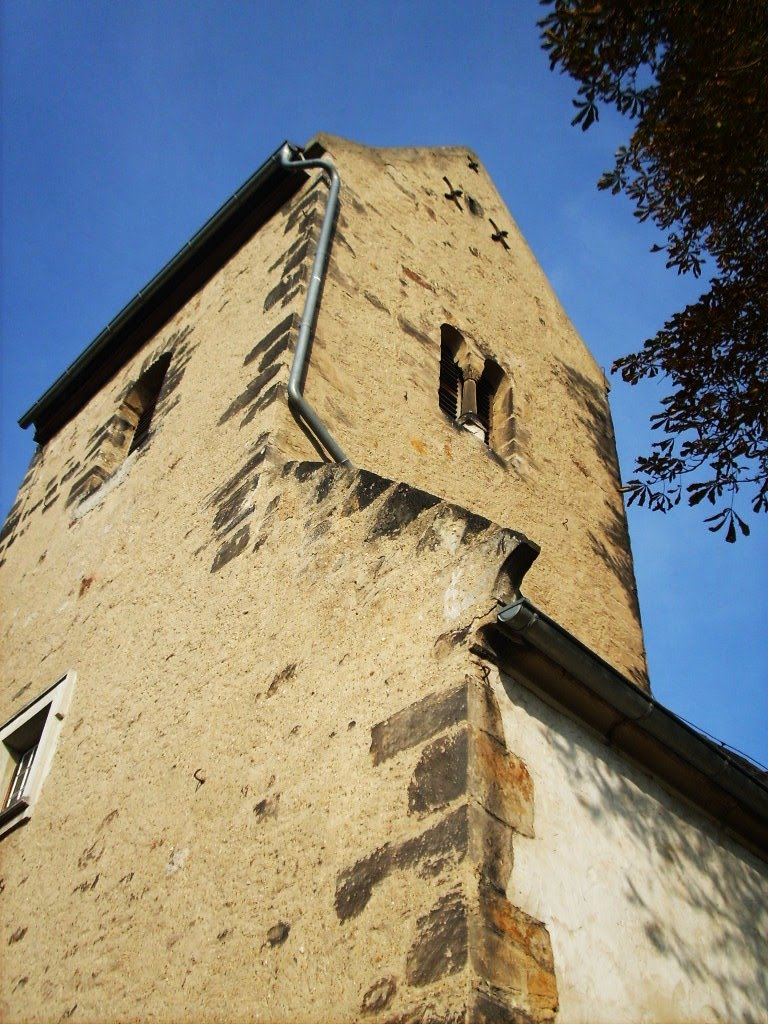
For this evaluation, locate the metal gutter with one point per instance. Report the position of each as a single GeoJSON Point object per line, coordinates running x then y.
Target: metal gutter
{"type": "Point", "coordinates": [221, 236]}
{"type": "Point", "coordinates": [562, 668]}
{"type": "Point", "coordinates": [290, 158]}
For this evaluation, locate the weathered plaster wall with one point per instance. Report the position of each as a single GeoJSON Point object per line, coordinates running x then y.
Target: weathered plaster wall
{"type": "Point", "coordinates": [269, 796]}
{"type": "Point", "coordinates": [406, 259]}
{"type": "Point", "coordinates": [652, 914]}
{"type": "Point", "coordinates": [221, 832]}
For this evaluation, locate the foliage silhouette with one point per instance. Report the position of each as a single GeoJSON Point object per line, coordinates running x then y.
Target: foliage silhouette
{"type": "Point", "coordinates": [690, 75]}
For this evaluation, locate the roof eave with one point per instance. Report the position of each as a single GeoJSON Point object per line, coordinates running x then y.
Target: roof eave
{"type": "Point", "coordinates": [563, 671]}
{"type": "Point", "coordinates": [195, 263]}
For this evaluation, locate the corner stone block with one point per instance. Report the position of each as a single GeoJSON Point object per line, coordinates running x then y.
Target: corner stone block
{"type": "Point", "coordinates": [418, 723]}
{"type": "Point", "coordinates": [440, 947]}
{"type": "Point", "coordinates": [501, 783]}
{"type": "Point", "coordinates": [441, 774]}
{"type": "Point", "coordinates": [512, 953]}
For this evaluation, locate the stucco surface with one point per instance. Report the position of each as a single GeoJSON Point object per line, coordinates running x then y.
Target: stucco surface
{"type": "Point", "coordinates": [215, 842]}
{"type": "Point", "coordinates": [653, 915]}
{"type": "Point", "coordinates": [408, 259]}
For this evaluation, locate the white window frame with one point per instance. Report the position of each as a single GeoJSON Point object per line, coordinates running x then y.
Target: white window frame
{"type": "Point", "coordinates": [56, 700]}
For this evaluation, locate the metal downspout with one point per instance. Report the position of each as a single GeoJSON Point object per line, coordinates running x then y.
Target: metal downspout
{"type": "Point", "coordinates": [295, 395]}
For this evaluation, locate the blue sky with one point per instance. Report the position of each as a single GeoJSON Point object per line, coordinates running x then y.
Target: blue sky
{"type": "Point", "coordinates": [126, 125]}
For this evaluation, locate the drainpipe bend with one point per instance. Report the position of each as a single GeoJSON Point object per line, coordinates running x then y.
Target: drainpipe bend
{"type": "Point", "coordinates": [295, 395]}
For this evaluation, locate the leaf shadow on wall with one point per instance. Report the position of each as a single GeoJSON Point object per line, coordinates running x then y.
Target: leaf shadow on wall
{"type": "Point", "coordinates": [609, 538]}
{"type": "Point", "coordinates": [689, 900]}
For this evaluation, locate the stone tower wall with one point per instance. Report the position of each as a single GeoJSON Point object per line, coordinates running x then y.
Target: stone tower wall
{"type": "Point", "coordinates": [405, 260]}
{"type": "Point", "coordinates": [408, 259]}
{"type": "Point", "coordinates": [281, 771]}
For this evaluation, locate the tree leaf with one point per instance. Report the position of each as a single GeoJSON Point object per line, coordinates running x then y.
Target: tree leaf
{"type": "Point", "coordinates": [694, 166]}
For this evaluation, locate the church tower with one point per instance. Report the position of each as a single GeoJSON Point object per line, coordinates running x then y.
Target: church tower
{"type": "Point", "coordinates": [325, 695]}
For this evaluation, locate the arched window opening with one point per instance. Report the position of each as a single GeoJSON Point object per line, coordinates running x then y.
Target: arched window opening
{"type": "Point", "coordinates": [479, 402]}
{"type": "Point", "coordinates": [142, 399]}
{"type": "Point", "coordinates": [488, 387]}
{"type": "Point", "coordinates": [124, 432]}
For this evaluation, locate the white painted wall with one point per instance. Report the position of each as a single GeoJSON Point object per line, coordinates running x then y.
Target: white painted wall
{"type": "Point", "coordinates": [653, 915]}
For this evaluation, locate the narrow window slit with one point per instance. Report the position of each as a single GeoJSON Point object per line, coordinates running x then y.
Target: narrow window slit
{"type": "Point", "coordinates": [144, 399]}
{"type": "Point", "coordinates": [482, 406]}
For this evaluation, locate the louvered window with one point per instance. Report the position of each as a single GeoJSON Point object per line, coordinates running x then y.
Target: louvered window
{"type": "Point", "coordinates": [481, 406]}
{"type": "Point", "coordinates": [451, 380]}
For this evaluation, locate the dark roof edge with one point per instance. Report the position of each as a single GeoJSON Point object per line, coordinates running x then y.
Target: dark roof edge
{"type": "Point", "coordinates": [719, 782]}
{"type": "Point", "coordinates": [112, 346]}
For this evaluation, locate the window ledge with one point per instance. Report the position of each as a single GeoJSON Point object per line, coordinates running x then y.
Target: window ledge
{"type": "Point", "coordinates": [15, 810]}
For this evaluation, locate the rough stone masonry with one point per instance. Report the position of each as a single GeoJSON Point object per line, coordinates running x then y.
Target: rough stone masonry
{"type": "Point", "coordinates": [282, 790]}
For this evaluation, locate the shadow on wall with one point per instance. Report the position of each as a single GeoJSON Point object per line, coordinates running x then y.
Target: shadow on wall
{"type": "Point", "coordinates": [698, 898]}
{"type": "Point", "coordinates": [594, 414]}
{"type": "Point", "coordinates": [610, 538]}
{"type": "Point", "coordinates": [611, 545]}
